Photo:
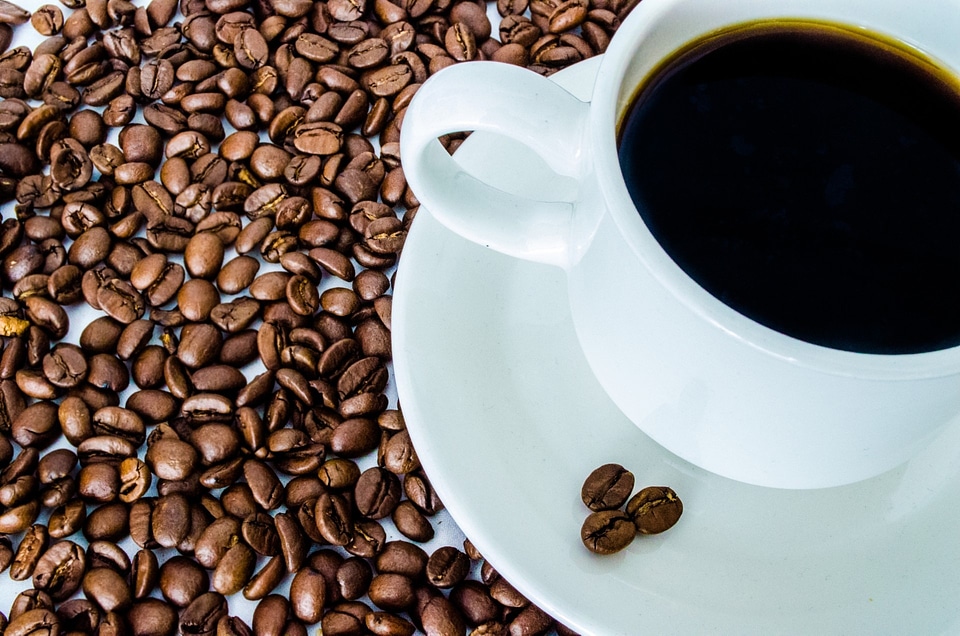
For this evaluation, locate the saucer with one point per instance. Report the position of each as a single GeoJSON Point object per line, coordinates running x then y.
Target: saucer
{"type": "Point", "coordinates": [508, 420]}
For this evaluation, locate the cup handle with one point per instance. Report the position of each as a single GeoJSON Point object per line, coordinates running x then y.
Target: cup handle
{"type": "Point", "coordinates": [516, 103]}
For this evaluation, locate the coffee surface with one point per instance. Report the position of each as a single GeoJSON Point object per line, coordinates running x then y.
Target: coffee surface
{"type": "Point", "coordinates": [808, 178]}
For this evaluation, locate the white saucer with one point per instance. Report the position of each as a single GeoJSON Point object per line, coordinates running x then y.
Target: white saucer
{"type": "Point", "coordinates": [508, 421]}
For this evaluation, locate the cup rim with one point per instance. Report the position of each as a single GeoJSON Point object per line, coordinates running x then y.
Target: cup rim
{"type": "Point", "coordinates": [603, 124]}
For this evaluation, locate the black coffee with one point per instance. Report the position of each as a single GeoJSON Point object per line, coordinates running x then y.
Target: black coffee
{"type": "Point", "coordinates": [809, 178]}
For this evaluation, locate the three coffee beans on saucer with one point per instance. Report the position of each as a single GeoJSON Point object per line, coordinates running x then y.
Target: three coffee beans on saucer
{"type": "Point", "coordinates": [611, 526]}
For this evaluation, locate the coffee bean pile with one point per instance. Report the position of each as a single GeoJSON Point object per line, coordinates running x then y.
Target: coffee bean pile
{"type": "Point", "coordinates": [609, 527]}
{"type": "Point", "coordinates": [219, 181]}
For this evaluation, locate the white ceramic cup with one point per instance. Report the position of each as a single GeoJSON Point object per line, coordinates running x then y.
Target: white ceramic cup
{"type": "Point", "coordinates": [714, 387]}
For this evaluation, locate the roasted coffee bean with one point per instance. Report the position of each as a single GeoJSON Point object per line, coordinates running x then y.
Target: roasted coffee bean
{"type": "Point", "coordinates": [134, 338]}
{"type": "Point", "coordinates": [35, 385]}
{"type": "Point", "coordinates": [607, 487]}
{"type": "Point", "coordinates": [51, 317]}
{"type": "Point", "coordinates": [215, 442]}
{"type": "Point", "coordinates": [398, 454]}
{"type": "Point", "coordinates": [240, 349]}
{"type": "Point", "coordinates": [270, 286]}
{"type": "Point", "coordinates": [654, 509]}
{"type": "Point", "coordinates": [120, 422]}
{"type": "Point", "coordinates": [99, 483]}
{"type": "Point", "coordinates": [170, 520]}
{"type": "Point", "coordinates": [353, 578]}
{"type": "Point", "coordinates": [270, 616]}
{"type": "Point", "coordinates": [148, 367]}
{"type": "Point", "coordinates": [75, 420]}
{"type": "Point", "coordinates": [56, 495]}
{"type": "Point", "coordinates": [145, 573]}
{"type": "Point", "coordinates": [447, 567]}
{"type": "Point", "coordinates": [34, 621]}
{"type": "Point", "coordinates": [22, 262]}
{"type": "Point", "coordinates": [182, 580]}
{"type": "Point", "coordinates": [199, 345]}
{"type": "Point", "coordinates": [63, 285]}
{"type": "Point", "coordinates": [108, 372]}
{"type": "Point", "coordinates": [37, 425]}
{"type": "Point", "coordinates": [302, 295]}
{"type": "Point", "coordinates": [30, 599]}
{"type": "Point", "coordinates": [79, 615]}
{"type": "Point", "coordinates": [355, 437]}
{"type": "Point", "coordinates": [55, 465]}
{"type": "Point", "coordinates": [339, 473]}
{"type": "Point", "coordinates": [531, 620]}
{"type": "Point", "coordinates": [109, 555]}
{"type": "Point", "coordinates": [203, 614]}
{"type": "Point", "coordinates": [254, 232]}
{"type": "Point", "coordinates": [260, 534]}
{"type": "Point", "coordinates": [121, 301]}
{"type": "Point", "coordinates": [308, 594]}
{"type": "Point", "coordinates": [60, 569]}
{"type": "Point", "coordinates": [367, 375]}
{"type": "Point", "coordinates": [263, 582]}
{"type": "Point", "coordinates": [234, 569]}
{"type": "Point", "coordinates": [12, 404]}
{"type": "Point", "coordinates": [207, 407]}
{"type": "Point", "coordinates": [31, 548]}
{"type": "Point", "coordinates": [293, 543]}
{"type": "Point", "coordinates": [474, 602]}
{"type": "Point", "coordinates": [135, 479]}
{"type": "Point", "coordinates": [216, 539]}
{"type": "Point", "coordinates": [250, 48]}
{"type": "Point", "coordinates": [108, 522]}
{"type": "Point", "coordinates": [345, 618]}
{"type": "Point", "coordinates": [376, 493]}
{"type": "Point", "coordinates": [25, 463]}
{"type": "Point", "coordinates": [411, 522]}
{"type": "Point", "coordinates": [11, 13]}
{"type": "Point", "coordinates": [108, 589]}
{"type": "Point", "coordinates": [387, 624]}
{"type": "Point", "coordinates": [204, 255]}
{"type": "Point", "coordinates": [70, 165]}
{"type": "Point", "coordinates": [338, 357]}
{"type": "Point", "coordinates": [368, 539]}
{"type": "Point", "coordinates": [236, 315]}
{"type": "Point", "coordinates": [502, 591]}
{"type": "Point", "coordinates": [152, 616]}
{"type": "Point", "coordinates": [607, 531]}
{"type": "Point", "coordinates": [391, 592]}
{"type": "Point", "coordinates": [105, 448]}
{"type": "Point", "coordinates": [140, 522]}
{"type": "Point", "coordinates": [439, 616]}
{"type": "Point", "coordinates": [264, 484]}
{"type": "Point", "coordinates": [171, 459]}
{"type": "Point", "coordinates": [153, 405]}
{"type": "Point", "coordinates": [333, 519]}
{"type": "Point", "coordinates": [197, 298]}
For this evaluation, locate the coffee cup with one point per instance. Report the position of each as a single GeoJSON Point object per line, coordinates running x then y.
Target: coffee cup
{"type": "Point", "coordinates": [768, 401]}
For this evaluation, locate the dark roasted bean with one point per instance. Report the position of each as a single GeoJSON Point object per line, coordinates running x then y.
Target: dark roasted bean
{"type": "Point", "coordinates": [654, 509]}
{"type": "Point", "coordinates": [203, 614]}
{"type": "Point", "coordinates": [607, 487]}
{"type": "Point", "coordinates": [607, 531]}
{"type": "Point", "coordinates": [182, 580]}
